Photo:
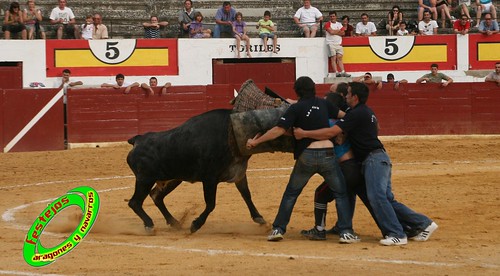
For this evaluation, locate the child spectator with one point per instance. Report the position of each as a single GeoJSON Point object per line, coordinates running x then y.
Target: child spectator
{"type": "Point", "coordinates": [88, 27]}
{"type": "Point", "coordinates": [152, 28]}
{"type": "Point", "coordinates": [13, 22]}
{"type": "Point", "coordinates": [196, 28]}
{"type": "Point", "coordinates": [240, 33]}
{"type": "Point", "coordinates": [402, 29]}
{"type": "Point", "coordinates": [267, 30]}
{"type": "Point", "coordinates": [32, 17]}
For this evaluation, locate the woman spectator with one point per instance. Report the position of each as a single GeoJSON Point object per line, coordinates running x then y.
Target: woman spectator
{"type": "Point", "coordinates": [32, 18]}
{"type": "Point", "coordinates": [349, 29]}
{"type": "Point", "coordinates": [394, 16]}
{"type": "Point", "coordinates": [13, 22]}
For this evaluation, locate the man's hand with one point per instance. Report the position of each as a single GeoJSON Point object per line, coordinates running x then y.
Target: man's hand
{"type": "Point", "coordinates": [299, 133]}
{"type": "Point", "coordinates": [252, 143]}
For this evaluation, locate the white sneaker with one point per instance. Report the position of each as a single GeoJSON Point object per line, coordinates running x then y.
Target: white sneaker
{"type": "Point", "coordinates": [393, 241]}
{"type": "Point", "coordinates": [276, 235]}
{"type": "Point", "coordinates": [349, 238]}
{"type": "Point", "coordinates": [426, 234]}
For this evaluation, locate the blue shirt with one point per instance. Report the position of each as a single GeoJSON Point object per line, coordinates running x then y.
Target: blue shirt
{"type": "Point", "coordinates": [223, 16]}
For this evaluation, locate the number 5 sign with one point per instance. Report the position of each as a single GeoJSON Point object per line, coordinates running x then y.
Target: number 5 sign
{"type": "Point", "coordinates": [112, 51]}
{"type": "Point", "coordinates": [392, 47]}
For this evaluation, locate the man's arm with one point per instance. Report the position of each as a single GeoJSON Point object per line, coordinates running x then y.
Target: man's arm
{"type": "Point", "coordinates": [448, 81]}
{"type": "Point", "coordinates": [318, 134]}
{"type": "Point", "coordinates": [75, 83]}
{"type": "Point", "coordinates": [271, 134]}
{"type": "Point", "coordinates": [422, 79]}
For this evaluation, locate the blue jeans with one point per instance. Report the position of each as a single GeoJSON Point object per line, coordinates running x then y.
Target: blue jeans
{"type": "Point", "coordinates": [310, 162]}
{"type": "Point", "coordinates": [222, 29]}
{"type": "Point", "coordinates": [393, 218]}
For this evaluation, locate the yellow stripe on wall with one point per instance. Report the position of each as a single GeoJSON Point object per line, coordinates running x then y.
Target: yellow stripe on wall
{"type": "Point", "coordinates": [419, 53]}
{"type": "Point", "coordinates": [84, 58]}
{"type": "Point", "coordinates": [488, 51]}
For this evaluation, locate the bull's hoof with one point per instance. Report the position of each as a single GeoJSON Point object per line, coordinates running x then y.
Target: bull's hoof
{"type": "Point", "coordinates": [259, 220]}
{"type": "Point", "coordinates": [150, 231]}
{"type": "Point", "coordinates": [195, 226]}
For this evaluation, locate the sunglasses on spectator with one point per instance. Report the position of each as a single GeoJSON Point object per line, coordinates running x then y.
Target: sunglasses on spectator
{"type": "Point", "coordinates": [487, 19]}
{"type": "Point", "coordinates": [395, 10]}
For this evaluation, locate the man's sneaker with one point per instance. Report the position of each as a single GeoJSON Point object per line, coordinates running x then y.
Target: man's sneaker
{"type": "Point", "coordinates": [349, 238]}
{"type": "Point", "coordinates": [333, 231]}
{"type": "Point", "coordinates": [393, 241]}
{"type": "Point", "coordinates": [426, 234]}
{"type": "Point", "coordinates": [314, 234]}
{"type": "Point", "coordinates": [276, 235]}
{"type": "Point", "coordinates": [346, 75]}
{"type": "Point", "coordinates": [338, 75]}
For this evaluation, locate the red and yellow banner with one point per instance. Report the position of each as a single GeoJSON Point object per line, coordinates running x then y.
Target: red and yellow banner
{"type": "Point", "coordinates": [484, 51]}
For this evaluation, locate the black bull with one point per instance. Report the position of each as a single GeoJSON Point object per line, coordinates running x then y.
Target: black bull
{"type": "Point", "coordinates": [209, 148]}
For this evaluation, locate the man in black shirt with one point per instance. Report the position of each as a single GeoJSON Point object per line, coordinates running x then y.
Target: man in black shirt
{"type": "Point", "coordinates": [361, 124]}
{"type": "Point", "coordinates": [312, 156]}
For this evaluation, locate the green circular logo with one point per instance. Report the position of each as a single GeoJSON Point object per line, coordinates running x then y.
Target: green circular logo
{"type": "Point", "coordinates": [33, 251]}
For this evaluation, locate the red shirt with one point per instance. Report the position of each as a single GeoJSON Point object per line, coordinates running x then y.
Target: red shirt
{"type": "Point", "coordinates": [458, 25]}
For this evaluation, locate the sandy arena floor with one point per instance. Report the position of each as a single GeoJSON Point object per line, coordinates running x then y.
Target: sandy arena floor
{"type": "Point", "coordinates": [455, 181]}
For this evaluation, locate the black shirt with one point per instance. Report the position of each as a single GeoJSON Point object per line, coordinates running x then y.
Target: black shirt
{"type": "Point", "coordinates": [361, 126]}
{"type": "Point", "coordinates": [309, 114]}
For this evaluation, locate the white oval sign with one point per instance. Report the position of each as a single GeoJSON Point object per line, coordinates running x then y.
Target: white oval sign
{"type": "Point", "coordinates": [112, 51]}
{"type": "Point", "coordinates": [392, 47]}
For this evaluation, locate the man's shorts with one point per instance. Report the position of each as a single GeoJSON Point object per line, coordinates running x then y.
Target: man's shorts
{"type": "Point", "coordinates": [268, 35]}
{"type": "Point", "coordinates": [13, 28]}
{"type": "Point", "coordinates": [68, 29]}
{"type": "Point", "coordinates": [335, 49]}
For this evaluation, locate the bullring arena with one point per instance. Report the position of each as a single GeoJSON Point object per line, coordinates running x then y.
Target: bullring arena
{"type": "Point", "coordinates": [452, 179]}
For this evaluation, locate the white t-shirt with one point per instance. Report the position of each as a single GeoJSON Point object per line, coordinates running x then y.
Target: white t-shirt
{"type": "Point", "coordinates": [401, 32]}
{"type": "Point", "coordinates": [57, 83]}
{"type": "Point", "coordinates": [367, 29]}
{"type": "Point", "coordinates": [308, 16]}
{"type": "Point", "coordinates": [333, 39]}
{"type": "Point", "coordinates": [87, 31]}
{"type": "Point", "coordinates": [66, 14]}
{"type": "Point", "coordinates": [427, 28]}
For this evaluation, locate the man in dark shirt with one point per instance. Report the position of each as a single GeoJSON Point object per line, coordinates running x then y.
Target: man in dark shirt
{"type": "Point", "coordinates": [312, 156]}
{"type": "Point", "coordinates": [361, 124]}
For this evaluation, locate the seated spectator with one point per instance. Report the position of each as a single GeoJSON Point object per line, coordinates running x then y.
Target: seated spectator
{"type": "Point", "coordinates": [267, 30]}
{"type": "Point", "coordinates": [365, 28]}
{"type": "Point", "coordinates": [427, 26]}
{"type": "Point", "coordinates": [152, 28]}
{"type": "Point", "coordinates": [462, 26]}
{"type": "Point", "coordinates": [88, 27]}
{"type": "Point", "coordinates": [308, 19]}
{"type": "Point", "coordinates": [196, 27]}
{"type": "Point", "coordinates": [349, 29]}
{"type": "Point", "coordinates": [394, 17]}
{"type": "Point", "coordinates": [367, 79]}
{"type": "Point", "coordinates": [488, 26]}
{"type": "Point", "coordinates": [427, 5]}
{"type": "Point", "coordinates": [495, 75]}
{"type": "Point", "coordinates": [153, 82]}
{"type": "Point", "coordinates": [64, 82]}
{"type": "Point", "coordinates": [402, 29]}
{"type": "Point", "coordinates": [465, 7]}
{"type": "Point", "coordinates": [120, 83]}
{"type": "Point", "coordinates": [186, 16]}
{"type": "Point", "coordinates": [223, 20]}
{"type": "Point", "coordinates": [443, 8]}
{"type": "Point", "coordinates": [392, 81]}
{"type": "Point", "coordinates": [435, 77]}
{"type": "Point", "coordinates": [63, 20]}
{"type": "Point", "coordinates": [240, 33]}
{"type": "Point", "coordinates": [484, 6]}
{"type": "Point", "coordinates": [100, 30]}
{"type": "Point", "coordinates": [13, 22]}
{"type": "Point", "coordinates": [32, 17]}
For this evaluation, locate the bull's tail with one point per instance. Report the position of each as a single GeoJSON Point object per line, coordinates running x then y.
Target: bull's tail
{"type": "Point", "coordinates": [132, 140]}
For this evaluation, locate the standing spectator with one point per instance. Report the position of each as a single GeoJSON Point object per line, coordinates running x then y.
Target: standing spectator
{"type": "Point", "coordinates": [495, 75]}
{"type": "Point", "coordinates": [88, 28]}
{"type": "Point", "coordinates": [153, 82]}
{"type": "Point", "coordinates": [120, 83]}
{"type": "Point", "coordinates": [402, 29]}
{"type": "Point", "coordinates": [435, 77]}
{"type": "Point", "coordinates": [462, 26]}
{"type": "Point", "coordinates": [427, 26]}
{"type": "Point", "coordinates": [223, 20]}
{"type": "Point", "coordinates": [240, 33]}
{"type": "Point", "coordinates": [349, 29]}
{"type": "Point", "coordinates": [307, 18]}
{"type": "Point", "coordinates": [100, 30]}
{"type": "Point", "coordinates": [394, 17]}
{"type": "Point", "coordinates": [365, 28]}
{"type": "Point", "coordinates": [488, 26]}
{"type": "Point", "coordinates": [32, 19]}
{"type": "Point", "coordinates": [392, 81]}
{"type": "Point", "coordinates": [484, 6]}
{"type": "Point", "coordinates": [186, 16]}
{"type": "Point", "coordinates": [361, 125]}
{"type": "Point", "coordinates": [267, 30]}
{"type": "Point", "coordinates": [63, 20]}
{"type": "Point", "coordinates": [64, 82]}
{"type": "Point", "coordinates": [427, 5]}
{"type": "Point", "coordinates": [334, 32]}
{"type": "Point", "coordinates": [196, 27]}
{"type": "Point", "coordinates": [152, 28]}
{"type": "Point", "coordinates": [13, 22]}
{"type": "Point", "coordinates": [312, 156]}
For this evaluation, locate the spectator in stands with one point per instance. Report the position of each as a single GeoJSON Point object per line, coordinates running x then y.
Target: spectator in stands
{"type": "Point", "coordinates": [63, 20]}
{"type": "Point", "coordinates": [427, 5]}
{"type": "Point", "coordinates": [465, 7]}
{"type": "Point", "coordinates": [394, 17]}
{"type": "Point", "coordinates": [443, 8]}
{"type": "Point", "coordinates": [223, 20]}
{"type": "Point", "coordinates": [32, 17]}
{"type": "Point", "coordinates": [461, 26]}
{"type": "Point", "coordinates": [13, 22]}
{"type": "Point", "coordinates": [152, 28]}
{"type": "Point", "coordinates": [368, 80]}
{"type": "Point", "coordinates": [488, 26]}
{"type": "Point", "coordinates": [435, 77]}
{"type": "Point", "coordinates": [186, 16]}
{"type": "Point", "coordinates": [153, 82]}
{"type": "Point", "coordinates": [100, 30]}
{"type": "Point", "coordinates": [64, 82]}
{"type": "Point", "coordinates": [495, 75]}
{"type": "Point", "coordinates": [427, 26]}
{"type": "Point", "coordinates": [88, 27]}
{"type": "Point", "coordinates": [308, 19]}
{"type": "Point", "coordinates": [349, 29]}
{"type": "Point", "coordinates": [120, 83]}
{"type": "Point", "coordinates": [365, 27]}
{"type": "Point", "coordinates": [240, 33]}
{"type": "Point", "coordinates": [267, 30]}
{"type": "Point", "coordinates": [392, 81]}
{"type": "Point", "coordinates": [402, 29]}
{"type": "Point", "coordinates": [484, 6]}
{"type": "Point", "coordinates": [196, 29]}
{"type": "Point", "coordinates": [334, 32]}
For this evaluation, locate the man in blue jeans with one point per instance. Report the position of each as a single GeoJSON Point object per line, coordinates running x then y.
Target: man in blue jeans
{"type": "Point", "coordinates": [224, 18]}
{"type": "Point", "coordinates": [312, 156]}
{"type": "Point", "coordinates": [394, 218]}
